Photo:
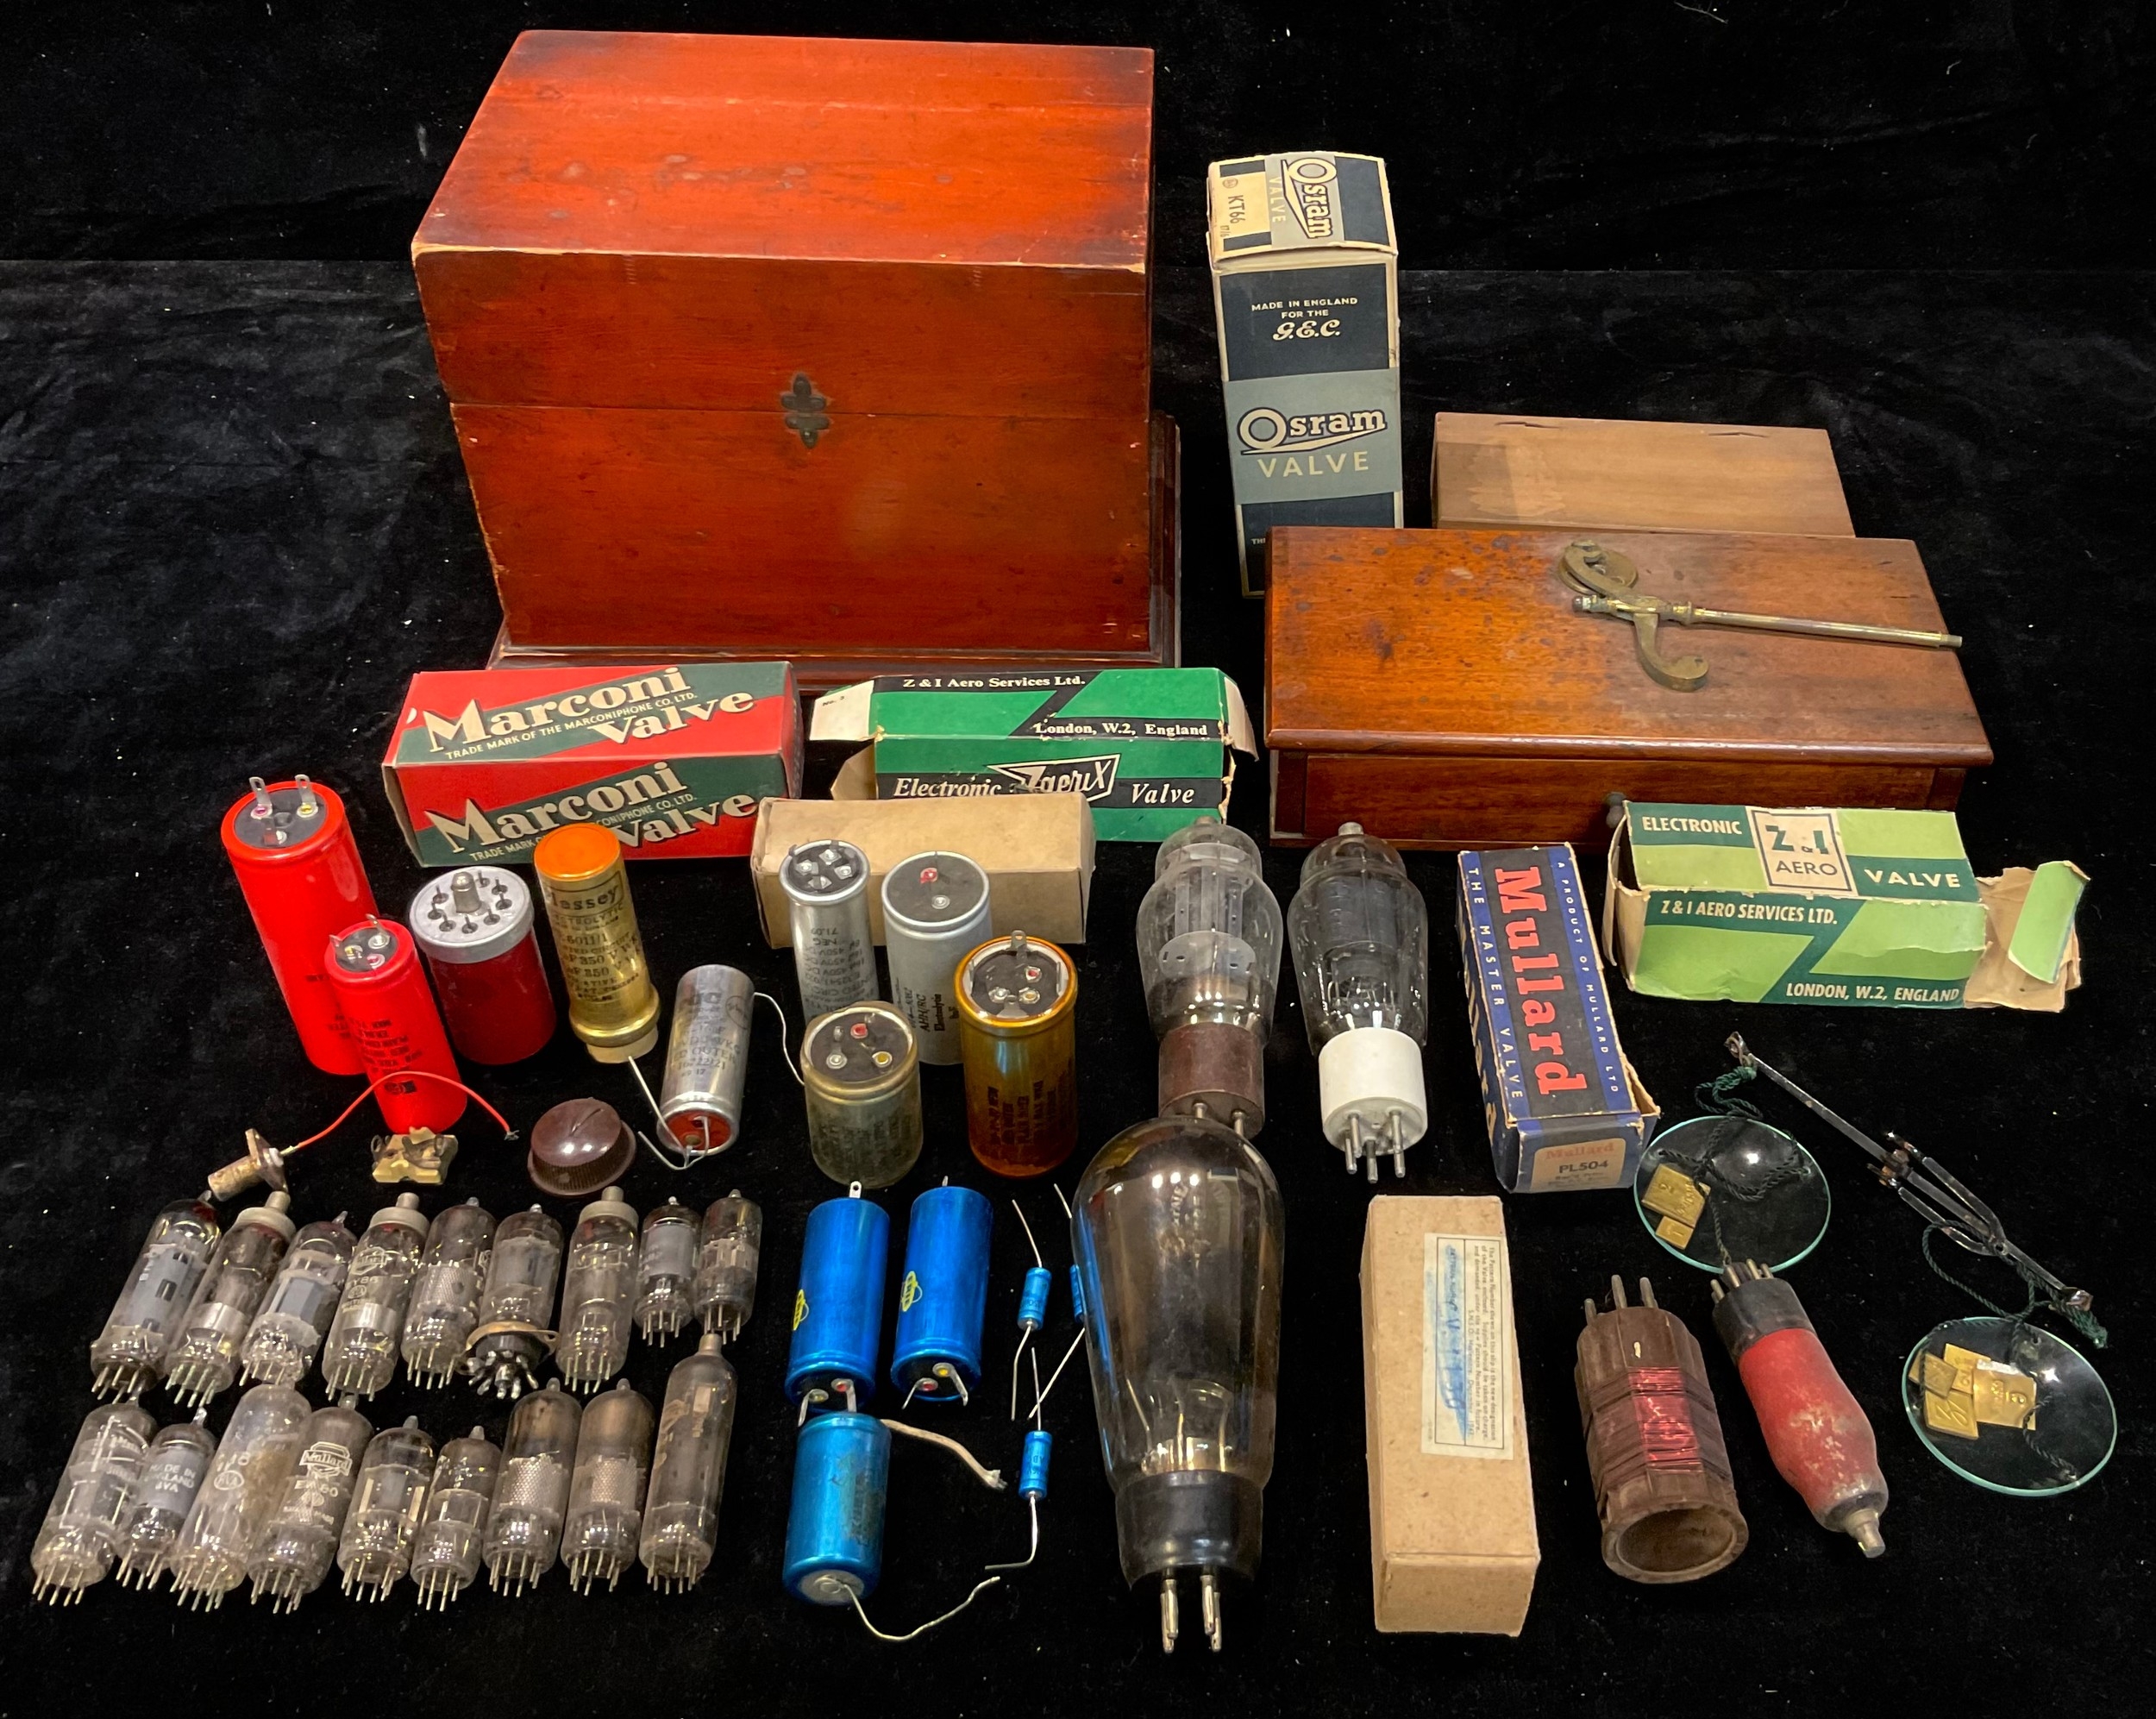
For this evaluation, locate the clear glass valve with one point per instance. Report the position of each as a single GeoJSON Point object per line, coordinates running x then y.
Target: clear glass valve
{"type": "Point", "coordinates": [511, 1342]}
{"type": "Point", "coordinates": [688, 1469]}
{"type": "Point", "coordinates": [293, 1551]}
{"type": "Point", "coordinates": [375, 1549]}
{"type": "Point", "coordinates": [254, 1458]}
{"type": "Point", "coordinates": [445, 1552]}
{"type": "Point", "coordinates": [129, 1352]}
{"type": "Point", "coordinates": [1179, 1235]}
{"type": "Point", "coordinates": [81, 1537]}
{"type": "Point", "coordinates": [606, 1489]}
{"type": "Point", "coordinates": [172, 1473]}
{"type": "Point", "coordinates": [445, 1295]}
{"type": "Point", "coordinates": [666, 1271]}
{"type": "Point", "coordinates": [287, 1333]}
{"type": "Point", "coordinates": [726, 1265]}
{"type": "Point", "coordinates": [1361, 937]}
{"type": "Point", "coordinates": [205, 1356]}
{"type": "Point", "coordinates": [360, 1355]}
{"type": "Point", "coordinates": [523, 1526]}
{"type": "Point", "coordinates": [1208, 952]}
{"type": "Point", "coordinates": [599, 1294]}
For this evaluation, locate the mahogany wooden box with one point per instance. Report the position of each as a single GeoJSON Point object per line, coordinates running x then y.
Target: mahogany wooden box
{"type": "Point", "coordinates": [836, 351]}
{"type": "Point", "coordinates": [1437, 686]}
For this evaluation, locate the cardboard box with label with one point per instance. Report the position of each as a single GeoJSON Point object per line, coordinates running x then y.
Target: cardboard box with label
{"type": "Point", "coordinates": [1306, 292]}
{"type": "Point", "coordinates": [674, 758]}
{"type": "Point", "coordinates": [1150, 749]}
{"type": "Point", "coordinates": [1855, 907]}
{"type": "Point", "coordinates": [1037, 850]}
{"type": "Point", "coordinates": [1565, 1110]}
{"type": "Point", "coordinates": [1452, 1522]}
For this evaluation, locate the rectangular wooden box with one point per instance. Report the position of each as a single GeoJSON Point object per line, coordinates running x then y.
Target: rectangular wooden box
{"type": "Point", "coordinates": [1437, 687]}
{"type": "Point", "coordinates": [1611, 474]}
{"type": "Point", "coordinates": [831, 350]}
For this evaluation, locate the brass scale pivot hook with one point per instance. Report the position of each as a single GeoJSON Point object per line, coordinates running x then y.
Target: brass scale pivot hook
{"type": "Point", "coordinates": [1606, 582]}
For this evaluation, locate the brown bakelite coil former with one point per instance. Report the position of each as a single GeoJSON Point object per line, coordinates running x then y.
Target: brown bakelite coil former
{"type": "Point", "coordinates": [1654, 1444]}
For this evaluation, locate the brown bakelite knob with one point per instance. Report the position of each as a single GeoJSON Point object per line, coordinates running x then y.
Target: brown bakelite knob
{"type": "Point", "coordinates": [578, 1147]}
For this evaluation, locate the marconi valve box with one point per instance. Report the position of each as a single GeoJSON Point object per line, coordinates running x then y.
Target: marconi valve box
{"type": "Point", "coordinates": [672, 758]}
{"type": "Point", "coordinates": [1306, 292]}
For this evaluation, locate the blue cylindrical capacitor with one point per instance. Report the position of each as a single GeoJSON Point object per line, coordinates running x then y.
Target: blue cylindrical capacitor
{"type": "Point", "coordinates": [1077, 1295]}
{"type": "Point", "coordinates": [834, 1532]}
{"type": "Point", "coordinates": [943, 1298]}
{"type": "Point", "coordinates": [838, 1308]}
{"type": "Point", "coordinates": [1033, 1464]}
{"type": "Point", "coordinates": [1034, 1298]}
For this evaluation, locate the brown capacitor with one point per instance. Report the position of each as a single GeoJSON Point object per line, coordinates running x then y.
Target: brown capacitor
{"type": "Point", "coordinates": [1654, 1445]}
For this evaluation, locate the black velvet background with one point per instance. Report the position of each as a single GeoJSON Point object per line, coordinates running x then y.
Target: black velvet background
{"type": "Point", "coordinates": [233, 521]}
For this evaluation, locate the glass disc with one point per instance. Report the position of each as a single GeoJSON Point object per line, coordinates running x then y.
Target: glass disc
{"type": "Point", "coordinates": [2007, 1405]}
{"type": "Point", "coordinates": [1719, 1190]}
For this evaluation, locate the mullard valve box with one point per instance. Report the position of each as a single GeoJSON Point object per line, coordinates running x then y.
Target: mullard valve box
{"type": "Point", "coordinates": [834, 351]}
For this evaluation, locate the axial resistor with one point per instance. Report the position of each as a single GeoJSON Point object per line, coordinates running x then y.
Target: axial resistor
{"type": "Point", "coordinates": [1077, 1295]}
{"type": "Point", "coordinates": [1034, 1298]}
{"type": "Point", "coordinates": [1816, 1431]}
{"type": "Point", "coordinates": [1033, 1464]}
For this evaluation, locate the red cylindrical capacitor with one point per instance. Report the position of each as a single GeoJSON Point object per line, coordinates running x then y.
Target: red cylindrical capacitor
{"type": "Point", "coordinates": [290, 846]}
{"type": "Point", "coordinates": [1815, 1431]}
{"type": "Point", "coordinates": [373, 967]}
{"type": "Point", "coordinates": [475, 927]}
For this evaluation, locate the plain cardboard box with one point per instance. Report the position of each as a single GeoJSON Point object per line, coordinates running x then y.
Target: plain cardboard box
{"type": "Point", "coordinates": [1452, 1523]}
{"type": "Point", "coordinates": [1037, 850]}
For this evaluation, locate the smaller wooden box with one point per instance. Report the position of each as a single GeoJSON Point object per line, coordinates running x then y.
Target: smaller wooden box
{"type": "Point", "coordinates": [1618, 474]}
{"type": "Point", "coordinates": [1437, 687]}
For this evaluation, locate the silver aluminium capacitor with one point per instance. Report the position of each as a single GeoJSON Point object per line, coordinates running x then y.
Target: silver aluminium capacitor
{"type": "Point", "coordinates": [130, 1350]}
{"type": "Point", "coordinates": [826, 886]}
{"type": "Point", "coordinates": [292, 1554]}
{"type": "Point", "coordinates": [510, 1343]}
{"type": "Point", "coordinates": [666, 1271]}
{"type": "Point", "coordinates": [165, 1491]}
{"type": "Point", "coordinates": [205, 1355]}
{"type": "Point", "coordinates": [360, 1355]}
{"type": "Point", "coordinates": [726, 1266]}
{"type": "Point", "coordinates": [688, 1469]}
{"type": "Point", "coordinates": [599, 1293]}
{"type": "Point", "coordinates": [254, 1458]}
{"type": "Point", "coordinates": [863, 1081]}
{"type": "Point", "coordinates": [445, 1295]}
{"type": "Point", "coordinates": [708, 1058]}
{"type": "Point", "coordinates": [287, 1333]}
{"type": "Point", "coordinates": [523, 1528]}
{"type": "Point", "coordinates": [606, 1490]}
{"type": "Point", "coordinates": [391, 1490]}
{"type": "Point", "coordinates": [76, 1547]}
{"type": "Point", "coordinates": [445, 1552]}
{"type": "Point", "coordinates": [935, 911]}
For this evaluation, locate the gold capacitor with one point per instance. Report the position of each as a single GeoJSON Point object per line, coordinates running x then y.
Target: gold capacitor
{"type": "Point", "coordinates": [613, 1005]}
{"type": "Point", "coordinates": [862, 1071]}
{"type": "Point", "coordinates": [1017, 1000]}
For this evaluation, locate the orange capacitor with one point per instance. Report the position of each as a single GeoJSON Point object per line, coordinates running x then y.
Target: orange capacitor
{"type": "Point", "coordinates": [374, 969]}
{"type": "Point", "coordinates": [292, 849]}
{"type": "Point", "coordinates": [1018, 1037]}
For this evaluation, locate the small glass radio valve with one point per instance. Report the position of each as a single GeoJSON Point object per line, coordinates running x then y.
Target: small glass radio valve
{"type": "Point", "coordinates": [294, 1550]}
{"type": "Point", "coordinates": [445, 1552]}
{"type": "Point", "coordinates": [599, 1294]}
{"type": "Point", "coordinates": [287, 1333]}
{"type": "Point", "coordinates": [509, 1343]}
{"type": "Point", "coordinates": [360, 1355]}
{"type": "Point", "coordinates": [523, 1528]}
{"type": "Point", "coordinates": [445, 1295]}
{"type": "Point", "coordinates": [376, 1547]}
{"type": "Point", "coordinates": [81, 1537]}
{"type": "Point", "coordinates": [206, 1356]}
{"type": "Point", "coordinates": [666, 1271]}
{"type": "Point", "coordinates": [606, 1489]}
{"type": "Point", "coordinates": [165, 1492]}
{"type": "Point", "coordinates": [130, 1350]}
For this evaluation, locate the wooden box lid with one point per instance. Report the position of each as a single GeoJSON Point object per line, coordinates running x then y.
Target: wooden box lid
{"type": "Point", "coordinates": [1609, 474]}
{"type": "Point", "coordinates": [1464, 643]}
{"type": "Point", "coordinates": [666, 220]}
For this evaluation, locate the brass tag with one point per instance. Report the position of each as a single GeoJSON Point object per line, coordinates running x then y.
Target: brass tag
{"type": "Point", "coordinates": [1939, 1374]}
{"type": "Point", "coordinates": [2004, 1396]}
{"type": "Point", "coordinates": [1671, 1193]}
{"type": "Point", "coordinates": [1954, 1415]}
{"type": "Point", "coordinates": [1676, 1231]}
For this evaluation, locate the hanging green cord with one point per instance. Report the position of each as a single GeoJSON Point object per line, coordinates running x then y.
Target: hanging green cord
{"type": "Point", "coordinates": [2082, 1321]}
{"type": "Point", "coordinates": [1718, 1095]}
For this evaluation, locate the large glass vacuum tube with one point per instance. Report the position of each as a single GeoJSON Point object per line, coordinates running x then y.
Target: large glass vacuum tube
{"type": "Point", "coordinates": [1179, 1235]}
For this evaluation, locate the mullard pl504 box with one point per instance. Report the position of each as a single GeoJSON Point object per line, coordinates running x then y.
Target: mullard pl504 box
{"type": "Point", "coordinates": [1564, 1108]}
{"type": "Point", "coordinates": [1305, 290]}
{"type": "Point", "coordinates": [672, 758]}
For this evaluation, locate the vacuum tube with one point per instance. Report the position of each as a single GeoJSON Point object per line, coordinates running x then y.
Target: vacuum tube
{"type": "Point", "coordinates": [523, 1526]}
{"type": "Point", "coordinates": [130, 1350]}
{"type": "Point", "coordinates": [1361, 938]}
{"type": "Point", "coordinates": [935, 908]}
{"type": "Point", "coordinates": [666, 1271]}
{"type": "Point", "coordinates": [606, 1488]}
{"type": "Point", "coordinates": [688, 1469]}
{"type": "Point", "coordinates": [1208, 952]}
{"type": "Point", "coordinates": [1179, 1234]}
{"type": "Point", "coordinates": [391, 1490]}
{"type": "Point", "coordinates": [375, 970]}
{"type": "Point", "coordinates": [1018, 1036]}
{"type": "Point", "coordinates": [165, 1492]}
{"type": "Point", "coordinates": [360, 1355]}
{"type": "Point", "coordinates": [826, 886]}
{"type": "Point", "coordinates": [863, 1081]}
{"type": "Point", "coordinates": [81, 1537]}
{"type": "Point", "coordinates": [296, 1545]}
{"type": "Point", "coordinates": [613, 1006]}
{"type": "Point", "coordinates": [254, 1458]}
{"type": "Point", "coordinates": [475, 927]}
{"type": "Point", "coordinates": [599, 1294]}
{"type": "Point", "coordinates": [708, 1058]}
{"type": "Point", "coordinates": [445, 1295]}
{"type": "Point", "coordinates": [509, 1345]}
{"type": "Point", "coordinates": [726, 1266]}
{"type": "Point", "coordinates": [445, 1552]}
{"type": "Point", "coordinates": [287, 1333]}
{"type": "Point", "coordinates": [206, 1354]}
